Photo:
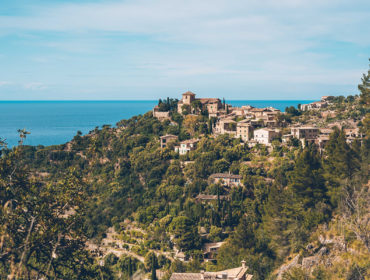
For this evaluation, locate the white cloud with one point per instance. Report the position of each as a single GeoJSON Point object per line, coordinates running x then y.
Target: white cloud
{"type": "Point", "coordinates": [5, 83]}
{"type": "Point", "coordinates": [35, 86]}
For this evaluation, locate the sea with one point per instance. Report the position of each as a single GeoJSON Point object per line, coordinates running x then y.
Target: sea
{"type": "Point", "coordinates": [56, 122]}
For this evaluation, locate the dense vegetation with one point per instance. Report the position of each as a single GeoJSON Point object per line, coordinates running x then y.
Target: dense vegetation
{"type": "Point", "coordinates": [52, 199]}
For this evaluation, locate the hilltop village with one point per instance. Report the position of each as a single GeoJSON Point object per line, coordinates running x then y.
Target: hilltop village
{"type": "Point", "coordinates": [195, 189]}
{"type": "Point", "coordinates": [258, 125]}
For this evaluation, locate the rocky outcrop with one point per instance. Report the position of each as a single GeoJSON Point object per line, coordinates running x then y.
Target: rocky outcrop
{"type": "Point", "coordinates": [324, 252]}
{"type": "Point", "coordinates": [287, 267]}
{"type": "Point", "coordinates": [309, 262]}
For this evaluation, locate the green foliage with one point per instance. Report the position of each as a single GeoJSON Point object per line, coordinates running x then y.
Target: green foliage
{"type": "Point", "coordinates": [168, 104]}
{"type": "Point", "coordinates": [340, 162]}
{"type": "Point", "coordinates": [364, 88]}
{"type": "Point", "coordinates": [185, 233]}
{"type": "Point", "coordinates": [121, 177]}
{"type": "Point", "coordinates": [41, 224]}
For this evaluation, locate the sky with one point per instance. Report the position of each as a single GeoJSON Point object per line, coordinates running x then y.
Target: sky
{"type": "Point", "coordinates": [237, 49]}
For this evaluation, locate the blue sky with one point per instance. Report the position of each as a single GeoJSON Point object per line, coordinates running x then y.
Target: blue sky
{"type": "Point", "coordinates": [237, 49]}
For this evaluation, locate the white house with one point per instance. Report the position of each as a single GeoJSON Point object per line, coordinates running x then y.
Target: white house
{"type": "Point", "coordinates": [186, 146]}
{"type": "Point", "coordinates": [265, 135]}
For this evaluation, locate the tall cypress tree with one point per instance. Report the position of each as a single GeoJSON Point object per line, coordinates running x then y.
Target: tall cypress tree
{"type": "Point", "coordinates": [154, 275]}
{"type": "Point", "coordinates": [129, 267]}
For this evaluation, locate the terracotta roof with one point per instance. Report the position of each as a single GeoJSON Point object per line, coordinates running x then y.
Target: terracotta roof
{"type": "Point", "coordinates": [305, 127]}
{"type": "Point", "coordinates": [209, 100]}
{"type": "Point", "coordinates": [259, 110]}
{"type": "Point", "coordinates": [188, 93]}
{"type": "Point", "coordinates": [265, 129]}
{"type": "Point", "coordinates": [225, 175]}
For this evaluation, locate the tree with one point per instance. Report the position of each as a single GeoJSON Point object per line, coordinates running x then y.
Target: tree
{"type": "Point", "coordinates": [22, 135]}
{"type": "Point", "coordinates": [153, 275]}
{"type": "Point", "coordinates": [150, 257]}
{"type": "Point", "coordinates": [306, 180]}
{"type": "Point", "coordinates": [292, 111]}
{"type": "Point", "coordinates": [185, 109]}
{"type": "Point", "coordinates": [191, 123]}
{"type": "Point", "coordinates": [197, 106]}
{"type": "Point", "coordinates": [364, 88]}
{"type": "Point", "coordinates": [185, 233]}
{"type": "Point", "coordinates": [41, 225]}
{"type": "Point", "coordinates": [355, 209]}
{"type": "Point", "coordinates": [340, 162]}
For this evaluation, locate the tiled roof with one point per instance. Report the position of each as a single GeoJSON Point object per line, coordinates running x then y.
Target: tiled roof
{"type": "Point", "coordinates": [185, 276]}
{"type": "Point", "coordinates": [188, 93]}
{"type": "Point", "coordinates": [209, 100]}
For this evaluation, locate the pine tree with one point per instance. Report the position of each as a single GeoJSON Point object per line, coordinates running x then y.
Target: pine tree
{"type": "Point", "coordinates": [364, 88]}
{"type": "Point", "coordinates": [341, 162]}
{"type": "Point", "coordinates": [129, 267]}
{"type": "Point", "coordinates": [306, 180]}
{"type": "Point", "coordinates": [154, 275]}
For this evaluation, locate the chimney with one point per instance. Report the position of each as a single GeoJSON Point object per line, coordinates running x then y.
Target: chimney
{"type": "Point", "coordinates": [243, 263]}
{"type": "Point", "coordinates": [202, 274]}
{"type": "Point", "coordinates": [224, 275]}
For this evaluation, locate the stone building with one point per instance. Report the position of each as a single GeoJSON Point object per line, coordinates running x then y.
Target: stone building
{"type": "Point", "coordinates": [226, 178]}
{"type": "Point", "coordinates": [244, 130]}
{"type": "Point", "coordinates": [305, 132]}
{"type": "Point", "coordinates": [164, 140]}
{"type": "Point", "coordinates": [212, 105]}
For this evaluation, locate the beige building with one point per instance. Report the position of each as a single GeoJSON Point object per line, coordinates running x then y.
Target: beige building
{"type": "Point", "coordinates": [225, 126]}
{"type": "Point", "coordinates": [305, 132]}
{"type": "Point", "coordinates": [314, 105]}
{"type": "Point", "coordinates": [186, 99]}
{"type": "Point", "coordinates": [244, 130]}
{"type": "Point", "coordinates": [167, 139]}
{"type": "Point", "coordinates": [352, 134]}
{"type": "Point", "coordinates": [225, 178]}
{"type": "Point", "coordinates": [238, 273]}
{"type": "Point", "coordinates": [212, 105]}
{"type": "Point", "coordinates": [161, 116]}
{"type": "Point", "coordinates": [265, 135]}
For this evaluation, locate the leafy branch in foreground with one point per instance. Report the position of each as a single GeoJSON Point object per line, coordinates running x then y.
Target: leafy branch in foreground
{"type": "Point", "coordinates": [41, 232]}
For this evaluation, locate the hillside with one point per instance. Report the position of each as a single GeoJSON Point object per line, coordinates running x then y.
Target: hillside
{"type": "Point", "coordinates": [292, 209]}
